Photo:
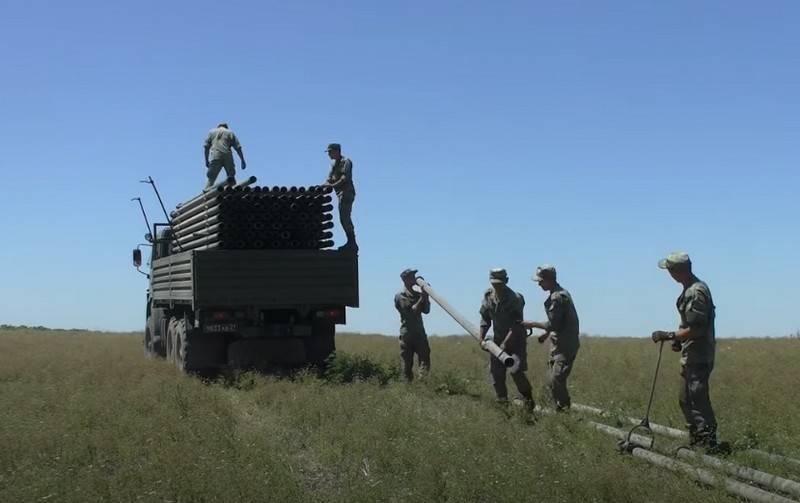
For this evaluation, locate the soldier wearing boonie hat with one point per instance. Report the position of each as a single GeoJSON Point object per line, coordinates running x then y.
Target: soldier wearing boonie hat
{"type": "Point", "coordinates": [562, 328]}
{"type": "Point", "coordinates": [413, 340]}
{"type": "Point", "coordinates": [340, 179]}
{"type": "Point", "coordinates": [696, 340]}
{"type": "Point", "coordinates": [503, 307]}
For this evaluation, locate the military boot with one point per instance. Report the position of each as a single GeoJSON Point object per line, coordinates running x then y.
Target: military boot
{"type": "Point", "coordinates": [351, 243]}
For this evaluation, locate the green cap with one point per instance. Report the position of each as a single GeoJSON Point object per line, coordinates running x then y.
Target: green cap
{"type": "Point", "coordinates": [498, 276]}
{"type": "Point", "coordinates": [545, 272]}
{"type": "Point", "coordinates": [333, 146]}
{"type": "Point", "coordinates": [408, 272]}
{"type": "Point", "coordinates": [673, 259]}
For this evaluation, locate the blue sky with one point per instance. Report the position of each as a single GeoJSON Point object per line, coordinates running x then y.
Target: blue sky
{"type": "Point", "coordinates": [596, 136]}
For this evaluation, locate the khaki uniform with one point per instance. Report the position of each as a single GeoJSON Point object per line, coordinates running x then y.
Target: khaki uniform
{"type": "Point", "coordinates": [563, 325]}
{"type": "Point", "coordinates": [696, 309]}
{"type": "Point", "coordinates": [343, 168]}
{"type": "Point", "coordinates": [219, 143]}
{"type": "Point", "coordinates": [504, 312]}
{"type": "Point", "coordinates": [413, 339]}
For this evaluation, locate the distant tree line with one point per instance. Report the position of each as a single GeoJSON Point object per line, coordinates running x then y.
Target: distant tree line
{"type": "Point", "coordinates": [26, 327]}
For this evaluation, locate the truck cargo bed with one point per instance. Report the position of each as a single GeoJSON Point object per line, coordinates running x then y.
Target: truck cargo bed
{"type": "Point", "coordinates": [267, 278]}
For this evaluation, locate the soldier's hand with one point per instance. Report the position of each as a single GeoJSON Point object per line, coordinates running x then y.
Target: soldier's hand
{"type": "Point", "coordinates": [483, 346]}
{"type": "Point", "coordinates": [661, 335]}
{"type": "Point", "coordinates": [527, 324]}
{"type": "Point", "coordinates": [543, 337]}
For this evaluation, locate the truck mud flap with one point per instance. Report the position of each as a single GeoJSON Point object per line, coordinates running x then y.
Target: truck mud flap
{"type": "Point", "coordinates": [263, 352]}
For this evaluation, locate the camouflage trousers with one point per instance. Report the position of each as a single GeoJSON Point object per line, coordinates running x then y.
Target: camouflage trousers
{"type": "Point", "coordinates": [498, 371]}
{"type": "Point", "coordinates": [559, 370]}
{"type": "Point", "coordinates": [215, 166]}
{"type": "Point", "coordinates": [696, 403]}
{"type": "Point", "coordinates": [409, 346]}
{"type": "Point", "coordinates": [346, 200]}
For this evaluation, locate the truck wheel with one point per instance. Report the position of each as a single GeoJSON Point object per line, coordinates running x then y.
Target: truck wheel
{"type": "Point", "coordinates": [321, 344]}
{"type": "Point", "coordinates": [153, 344]}
{"type": "Point", "coordinates": [148, 342]}
{"type": "Point", "coordinates": [188, 350]}
{"type": "Point", "coordinates": [170, 340]}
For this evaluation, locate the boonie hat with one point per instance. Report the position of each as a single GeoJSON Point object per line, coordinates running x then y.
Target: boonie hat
{"type": "Point", "coordinates": [408, 272]}
{"type": "Point", "coordinates": [545, 272]}
{"type": "Point", "coordinates": [497, 276]}
{"type": "Point", "coordinates": [673, 259]}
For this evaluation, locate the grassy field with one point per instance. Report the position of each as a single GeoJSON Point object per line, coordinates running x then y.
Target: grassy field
{"type": "Point", "coordinates": [84, 417]}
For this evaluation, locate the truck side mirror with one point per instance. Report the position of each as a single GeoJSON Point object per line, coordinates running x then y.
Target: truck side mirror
{"type": "Point", "coordinates": [137, 257]}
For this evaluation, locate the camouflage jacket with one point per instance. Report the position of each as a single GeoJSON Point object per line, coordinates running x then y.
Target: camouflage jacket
{"type": "Point", "coordinates": [503, 311]}
{"type": "Point", "coordinates": [696, 309]}
{"type": "Point", "coordinates": [562, 322]}
{"type": "Point", "coordinates": [411, 320]}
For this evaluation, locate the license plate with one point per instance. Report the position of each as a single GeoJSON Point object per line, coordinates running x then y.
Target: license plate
{"type": "Point", "coordinates": [221, 327]}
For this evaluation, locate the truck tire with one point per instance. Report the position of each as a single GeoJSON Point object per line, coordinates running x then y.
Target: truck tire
{"type": "Point", "coordinates": [321, 344]}
{"type": "Point", "coordinates": [154, 342]}
{"type": "Point", "coordinates": [169, 339]}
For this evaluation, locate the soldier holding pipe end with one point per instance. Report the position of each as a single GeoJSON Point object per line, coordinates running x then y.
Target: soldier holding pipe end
{"type": "Point", "coordinates": [503, 307]}
{"type": "Point", "coordinates": [413, 340]}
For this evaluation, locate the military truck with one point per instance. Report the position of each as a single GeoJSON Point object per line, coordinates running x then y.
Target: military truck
{"type": "Point", "coordinates": [210, 308]}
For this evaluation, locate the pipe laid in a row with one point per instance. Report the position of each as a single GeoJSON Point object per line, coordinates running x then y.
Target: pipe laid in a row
{"type": "Point", "coordinates": [699, 474]}
{"type": "Point", "coordinates": [680, 434]}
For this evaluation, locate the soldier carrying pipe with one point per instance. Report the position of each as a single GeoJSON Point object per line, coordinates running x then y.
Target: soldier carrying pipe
{"type": "Point", "coordinates": [503, 308]}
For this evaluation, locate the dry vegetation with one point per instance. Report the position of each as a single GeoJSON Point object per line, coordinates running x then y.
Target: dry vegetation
{"type": "Point", "coordinates": [84, 417]}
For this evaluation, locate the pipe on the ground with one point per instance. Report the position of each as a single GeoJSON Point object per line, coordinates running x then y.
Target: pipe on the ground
{"type": "Point", "coordinates": [704, 476]}
{"type": "Point", "coordinates": [680, 434]}
{"type": "Point", "coordinates": [761, 478]}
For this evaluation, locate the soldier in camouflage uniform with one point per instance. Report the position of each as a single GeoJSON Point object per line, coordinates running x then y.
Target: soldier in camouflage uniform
{"type": "Point", "coordinates": [341, 179]}
{"type": "Point", "coordinates": [562, 328]}
{"type": "Point", "coordinates": [217, 151]}
{"type": "Point", "coordinates": [503, 307]}
{"type": "Point", "coordinates": [412, 305]}
{"type": "Point", "coordinates": [695, 339]}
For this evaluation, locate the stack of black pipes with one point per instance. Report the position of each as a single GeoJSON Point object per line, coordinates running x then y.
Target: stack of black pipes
{"type": "Point", "coordinates": [245, 217]}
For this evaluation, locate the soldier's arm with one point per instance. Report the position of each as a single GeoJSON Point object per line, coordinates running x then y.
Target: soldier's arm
{"type": "Point", "coordinates": [419, 305]}
{"type": "Point", "coordinates": [347, 174]}
{"type": "Point", "coordinates": [426, 303]}
{"type": "Point", "coordinates": [486, 323]}
{"type": "Point", "coordinates": [238, 148]}
{"type": "Point", "coordinates": [698, 315]}
{"type": "Point", "coordinates": [555, 316]}
{"type": "Point", "coordinates": [207, 147]}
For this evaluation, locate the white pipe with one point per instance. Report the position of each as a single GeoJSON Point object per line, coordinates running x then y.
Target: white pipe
{"type": "Point", "coordinates": [757, 476]}
{"type": "Point", "coordinates": [732, 486]}
{"type": "Point", "coordinates": [512, 362]}
{"type": "Point", "coordinates": [680, 434]}
{"type": "Point", "coordinates": [775, 458]}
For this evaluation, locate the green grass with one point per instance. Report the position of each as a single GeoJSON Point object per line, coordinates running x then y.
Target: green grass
{"type": "Point", "coordinates": [84, 417]}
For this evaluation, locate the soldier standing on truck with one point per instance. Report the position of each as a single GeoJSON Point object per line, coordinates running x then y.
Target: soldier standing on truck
{"type": "Point", "coordinates": [695, 339]}
{"type": "Point", "coordinates": [413, 340]}
{"type": "Point", "coordinates": [502, 307]}
{"type": "Point", "coordinates": [340, 179]}
{"type": "Point", "coordinates": [217, 151]}
{"type": "Point", "coordinates": [562, 329]}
